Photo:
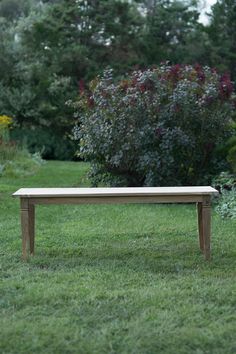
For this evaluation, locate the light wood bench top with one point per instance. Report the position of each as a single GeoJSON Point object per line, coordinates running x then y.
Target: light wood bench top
{"type": "Point", "coordinates": [113, 192]}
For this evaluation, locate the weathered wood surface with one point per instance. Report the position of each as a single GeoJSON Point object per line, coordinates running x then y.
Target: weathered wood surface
{"type": "Point", "coordinates": [130, 191]}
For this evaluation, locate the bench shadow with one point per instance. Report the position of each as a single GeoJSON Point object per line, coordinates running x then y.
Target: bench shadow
{"type": "Point", "coordinates": [177, 255]}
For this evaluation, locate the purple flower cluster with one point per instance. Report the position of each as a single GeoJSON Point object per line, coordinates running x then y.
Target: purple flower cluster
{"type": "Point", "coordinates": [225, 86]}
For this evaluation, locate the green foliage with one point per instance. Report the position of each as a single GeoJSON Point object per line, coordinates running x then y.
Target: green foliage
{"type": "Point", "coordinates": [231, 149]}
{"type": "Point", "coordinates": [232, 152]}
{"type": "Point", "coordinates": [48, 47]}
{"type": "Point", "coordinates": [113, 278]}
{"type": "Point", "coordinates": [225, 181]}
{"type": "Point", "coordinates": [16, 161]}
{"type": "Point", "coordinates": [170, 29]}
{"type": "Point", "coordinates": [48, 143]}
{"type": "Point", "coordinates": [228, 149]}
{"type": "Point", "coordinates": [80, 38]}
{"type": "Point", "coordinates": [222, 36]}
{"type": "Point", "coordinates": [46, 52]}
{"type": "Point", "coordinates": [13, 9]}
{"type": "Point", "coordinates": [156, 127]}
{"type": "Point", "coordinates": [227, 204]}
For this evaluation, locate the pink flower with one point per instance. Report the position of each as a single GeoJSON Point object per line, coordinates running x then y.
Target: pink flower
{"type": "Point", "coordinates": [81, 87]}
{"type": "Point", "coordinates": [142, 88]}
{"type": "Point", "coordinates": [200, 73]}
{"type": "Point", "coordinates": [226, 86]}
{"type": "Point", "coordinates": [90, 102]}
{"type": "Point", "coordinates": [174, 73]}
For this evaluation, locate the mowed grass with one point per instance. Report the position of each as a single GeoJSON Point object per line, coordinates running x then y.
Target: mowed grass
{"type": "Point", "coordinates": [113, 278]}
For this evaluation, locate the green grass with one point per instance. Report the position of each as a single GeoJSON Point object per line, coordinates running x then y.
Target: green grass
{"type": "Point", "coordinates": [113, 278]}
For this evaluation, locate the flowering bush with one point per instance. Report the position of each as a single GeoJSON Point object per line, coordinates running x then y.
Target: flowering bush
{"type": "Point", "coordinates": [160, 126]}
{"type": "Point", "coordinates": [5, 122]}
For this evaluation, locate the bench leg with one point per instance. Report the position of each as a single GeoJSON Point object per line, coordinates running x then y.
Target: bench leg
{"type": "Point", "coordinates": [32, 227]}
{"type": "Point", "coordinates": [206, 226]}
{"type": "Point", "coordinates": [27, 227]}
{"type": "Point", "coordinates": [200, 226]}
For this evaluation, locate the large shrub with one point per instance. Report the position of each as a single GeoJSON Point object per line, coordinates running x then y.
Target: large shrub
{"type": "Point", "coordinates": [160, 126]}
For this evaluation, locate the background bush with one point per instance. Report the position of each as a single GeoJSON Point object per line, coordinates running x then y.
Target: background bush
{"type": "Point", "coordinates": [224, 181]}
{"type": "Point", "coordinates": [16, 161]}
{"type": "Point", "coordinates": [49, 144]}
{"type": "Point", "coordinates": [226, 202]}
{"type": "Point", "coordinates": [160, 126]}
{"type": "Point", "coordinates": [231, 149]}
{"type": "Point", "coordinates": [226, 207]}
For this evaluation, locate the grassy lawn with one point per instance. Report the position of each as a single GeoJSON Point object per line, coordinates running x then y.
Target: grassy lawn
{"type": "Point", "coordinates": [113, 279]}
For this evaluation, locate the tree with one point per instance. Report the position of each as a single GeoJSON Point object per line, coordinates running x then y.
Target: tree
{"type": "Point", "coordinates": [50, 49]}
{"type": "Point", "coordinates": [170, 28]}
{"type": "Point", "coordinates": [80, 38]}
{"type": "Point", "coordinates": [13, 9]}
{"type": "Point", "coordinates": [221, 32]}
{"type": "Point", "coordinates": [58, 44]}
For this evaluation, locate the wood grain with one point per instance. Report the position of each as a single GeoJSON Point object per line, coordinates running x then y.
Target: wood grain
{"type": "Point", "coordinates": [206, 226]}
{"type": "Point", "coordinates": [117, 199]}
{"type": "Point", "coordinates": [200, 226]}
{"type": "Point", "coordinates": [25, 226]}
{"type": "Point", "coordinates": [31, 227]}
{"type": "Point", "coordinates": [99, 192]}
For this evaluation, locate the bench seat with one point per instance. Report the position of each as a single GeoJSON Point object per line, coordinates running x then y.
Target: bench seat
{"type": "Point", "coordinates": [120, 191]}
{"type": "Point", "coordinates": [29, 197]}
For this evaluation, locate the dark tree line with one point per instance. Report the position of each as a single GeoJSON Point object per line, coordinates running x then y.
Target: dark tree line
{"type": "Point", "coordinates": [49, 49]}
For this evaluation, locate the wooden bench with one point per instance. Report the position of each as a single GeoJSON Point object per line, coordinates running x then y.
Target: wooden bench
{"type": "Point", "coordinates": [29, 197]}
